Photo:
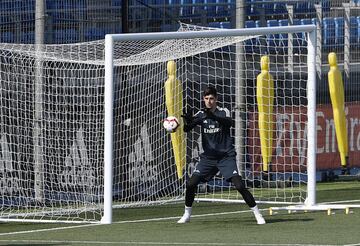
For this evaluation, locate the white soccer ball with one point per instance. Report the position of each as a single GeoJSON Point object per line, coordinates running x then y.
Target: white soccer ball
{"type": "Point", "coordinates": [171, 123]}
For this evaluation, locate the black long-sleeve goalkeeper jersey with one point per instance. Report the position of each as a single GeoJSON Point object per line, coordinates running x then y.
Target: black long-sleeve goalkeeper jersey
{"type": "Point", "coordinates": [215, 132]}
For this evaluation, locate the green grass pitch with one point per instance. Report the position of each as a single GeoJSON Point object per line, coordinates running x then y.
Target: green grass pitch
{"type": "Point", "coordinates": [212, 224]}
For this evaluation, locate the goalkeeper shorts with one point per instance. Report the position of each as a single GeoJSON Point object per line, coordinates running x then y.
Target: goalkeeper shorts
{"type": "Point", "coordinates": [209, 167]}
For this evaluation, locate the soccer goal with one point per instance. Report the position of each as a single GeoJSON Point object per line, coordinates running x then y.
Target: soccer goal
{"type": "Point", "coordinates": [81, 124]}
{"type": "Point", "coordinates": [277, 162]}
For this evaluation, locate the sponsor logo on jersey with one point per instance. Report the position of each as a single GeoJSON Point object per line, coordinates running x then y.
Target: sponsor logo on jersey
{"type": "Point", "coordinates": [212, 130]}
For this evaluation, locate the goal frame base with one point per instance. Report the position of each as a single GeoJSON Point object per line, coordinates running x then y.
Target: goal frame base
{"type": "Point", "coordinates": [311, 208]}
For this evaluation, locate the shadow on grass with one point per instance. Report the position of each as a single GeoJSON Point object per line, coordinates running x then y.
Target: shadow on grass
{"type": "Point", "coordinates": [248, 221]}
{"type": "Point", "coordinates": [287, 220]}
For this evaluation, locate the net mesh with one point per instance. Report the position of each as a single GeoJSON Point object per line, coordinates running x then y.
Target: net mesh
{"type": "Point", "coordinates": [52, 114]}
{"type": "Point", "coordinates": [51, 131]}
{"type": "Point", "coordinates": [212, 61]}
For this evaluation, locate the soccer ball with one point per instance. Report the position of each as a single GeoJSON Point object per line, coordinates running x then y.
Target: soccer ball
{"type": "Point", "coordinates": [171, 123]}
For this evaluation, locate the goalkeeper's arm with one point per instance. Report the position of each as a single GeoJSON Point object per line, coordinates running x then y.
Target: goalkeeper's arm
{"type": "Point", "coordinates": [224, 121]}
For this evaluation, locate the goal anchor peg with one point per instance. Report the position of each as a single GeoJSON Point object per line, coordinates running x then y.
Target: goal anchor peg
{"type": "Point", "coordinates": [347, 210]}
{"type": "Point", "coordinates": [329, 211]}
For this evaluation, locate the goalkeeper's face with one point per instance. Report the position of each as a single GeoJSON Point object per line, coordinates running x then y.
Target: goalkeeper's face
{"type": "Point", "coordinates": [210, 101]}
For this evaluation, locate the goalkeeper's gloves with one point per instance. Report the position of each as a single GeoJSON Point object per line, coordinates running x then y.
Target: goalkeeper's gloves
{"type": "Point", "coordinates": [188, 117]}
{"type": "Point", "coordinates": [190, 121]}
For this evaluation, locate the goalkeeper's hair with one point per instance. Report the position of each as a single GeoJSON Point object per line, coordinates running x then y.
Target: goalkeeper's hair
{"type": "Point", "coordinates": [210, 90]}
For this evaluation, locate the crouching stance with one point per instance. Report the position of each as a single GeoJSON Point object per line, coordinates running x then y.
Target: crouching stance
{"type": "Point", "coordinates": [219, 153]}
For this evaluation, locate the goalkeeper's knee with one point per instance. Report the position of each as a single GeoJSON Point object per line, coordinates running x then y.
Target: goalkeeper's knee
{"type": "Point", "coordinates": [193, 182]}
{"type": "Point", "coordinates": [239, 183]}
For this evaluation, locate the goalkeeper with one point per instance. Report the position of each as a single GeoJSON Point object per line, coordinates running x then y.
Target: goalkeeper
{"type": "Point", "coordinates": [219, 153]}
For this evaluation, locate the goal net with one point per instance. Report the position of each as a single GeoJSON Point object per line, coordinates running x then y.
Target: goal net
{"type": "Point", "coordinates": [80, 135]}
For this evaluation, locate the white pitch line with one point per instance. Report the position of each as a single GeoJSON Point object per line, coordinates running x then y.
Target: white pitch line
{"type": "Point", "coordinates": [147, 243]}
{"type": "Point", "coordinates": [119, 222]}
{"type": "Point", "coordinates": [165, 243]}
{"type": "Point", "coordinates": [47, 229]}
{"type": "Point", "coordinates": [177, 217]}
{"type": "Point", "coordinates": [346, 201]}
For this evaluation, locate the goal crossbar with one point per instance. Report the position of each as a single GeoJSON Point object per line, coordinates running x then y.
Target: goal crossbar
{"type": "Point", "coordinates": [211, 33]}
